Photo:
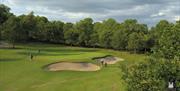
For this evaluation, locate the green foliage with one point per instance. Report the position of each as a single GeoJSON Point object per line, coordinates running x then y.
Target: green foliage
{"type": "Point", "coordinates": [155, 74]}
{"type": "Point", "coordinates": [12, 30]}
{"type": "Point", "coordinates": [41, 23]}
{"type": "Point", "coordinates": [168, 43]}
{"type": "Point", "coordinates": [152, 75]}
{"type": "Point", "coordinates": [71, 37]}
{"type": "Point", "coordinates": [136, 42]}
{"type": "Point", "coordinates": [94, 37]}
{"type": "Point", "coordinates": [84, 28]}
{"type": "Point", "coordinates": [120, 39]}
{"type": "Point", "coordinates": [54, 32]}
{"type": "Point", "coordinates": [5, 14]}
{"type": "Point", "coordinates": [106, 31]}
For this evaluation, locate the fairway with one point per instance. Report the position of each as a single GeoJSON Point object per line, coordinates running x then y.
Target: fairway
{"type": "Point", "coordinates": [19, 73]}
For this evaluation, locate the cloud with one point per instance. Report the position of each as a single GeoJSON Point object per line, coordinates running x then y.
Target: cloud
{"type": "Point", "coordinates": [177, 18]}
{"type": "Point", "coordinates": [146, 11]}
{"type": "Point", "coordinates": [158, 14]}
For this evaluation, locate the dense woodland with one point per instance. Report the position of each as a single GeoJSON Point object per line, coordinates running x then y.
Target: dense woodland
{"type": "Point", "coordinates": [162, 41]}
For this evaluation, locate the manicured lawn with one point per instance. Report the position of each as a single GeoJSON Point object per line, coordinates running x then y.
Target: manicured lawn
{"type": "Point", "coordinates": [18, 73]}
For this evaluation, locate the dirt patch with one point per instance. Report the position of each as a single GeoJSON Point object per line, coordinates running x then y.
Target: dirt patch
{"type": "Point", "coordinates": [73, 66]}
{"type": "Point", "coordinates": [4, 45]}
{"type": "Point", "coordinates": [108, 59]}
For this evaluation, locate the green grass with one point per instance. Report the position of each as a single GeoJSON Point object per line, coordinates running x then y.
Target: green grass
{"type": "Point", "coordinates": [18, 73]}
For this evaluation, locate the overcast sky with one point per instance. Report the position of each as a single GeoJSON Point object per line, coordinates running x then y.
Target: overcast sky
{"type": "Point", "coordinates": [145, 11]}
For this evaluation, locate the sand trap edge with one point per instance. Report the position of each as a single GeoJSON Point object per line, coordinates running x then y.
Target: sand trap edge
{"type": "Point", "coordinates": [70, 68]}
{"type": "Point", "coordinates": [117, 59]}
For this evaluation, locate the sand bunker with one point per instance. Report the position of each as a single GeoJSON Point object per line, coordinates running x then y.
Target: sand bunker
{"type": "Point", "coordinates": [109, 59]}
{"type": "Point", "coordinates": [73, 66]}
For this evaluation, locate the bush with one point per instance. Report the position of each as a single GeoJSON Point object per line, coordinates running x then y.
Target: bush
{"type": "Point", "coordinates": [152, 75]}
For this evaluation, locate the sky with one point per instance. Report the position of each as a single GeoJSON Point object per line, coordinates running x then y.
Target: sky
{"type": "Point", "coordinates": [145, 11]}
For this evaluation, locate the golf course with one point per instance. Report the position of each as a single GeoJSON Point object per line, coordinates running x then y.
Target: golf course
{"type": "Point", "coordinates": [19, 73]}
{"type": "Point", "coordinates": [89, 45]}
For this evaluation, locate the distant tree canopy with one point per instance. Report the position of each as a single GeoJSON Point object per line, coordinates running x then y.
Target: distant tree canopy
{"type": "Point", "coordinates": [128, 35]}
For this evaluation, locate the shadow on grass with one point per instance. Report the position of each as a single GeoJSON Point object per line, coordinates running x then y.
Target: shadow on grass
{"type": "Point", "coordinates": [47, 54]}
{"type": "Point", "coordinates": [9, 60]}
{"type": "Point", "coordinates": [70, 50]}
{"type": "Point", "coordinates": [10, 48]}
{"type": "Point", "coordinates": [56, 52]}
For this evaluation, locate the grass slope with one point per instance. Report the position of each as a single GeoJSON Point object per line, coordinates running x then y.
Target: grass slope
{"type": "Point", "coordinates": [18, 73]}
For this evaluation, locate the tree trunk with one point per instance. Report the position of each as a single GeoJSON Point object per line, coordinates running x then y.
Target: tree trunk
{"type": "Point", "coordinates": [135, 51]}
{"type": "Point", "coordinates": [13, 45]}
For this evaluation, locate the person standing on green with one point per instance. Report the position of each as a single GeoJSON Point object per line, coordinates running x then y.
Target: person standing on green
{"type": "Point", "coordinates": [31, 56]}
{"type": "Point", "coordinates": [105, 64]}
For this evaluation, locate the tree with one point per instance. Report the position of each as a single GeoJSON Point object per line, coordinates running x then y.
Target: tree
{"type": "Point", "coordinates": [4, 15]}
{"type": "Point", "coordinates": [157, 31]}
{"type": "Point", "coordinates": [168, 44]}
{"type": "Point", "coordinates": [152, 75]}
{"type": "Point", "coordinates": [120, 38]}
{"type": "Point", "coordinates": [85, 28]}
{"type": "Point", "coordinates": [54, 32]}
{"type": "Point", "coordinates": [136, 42]}
{"type": "Point", "coordinates": [94, 37]}
{"type": "Point", "coordinates": [131, 26]}
{"type": "Point", "coordinates": [40, 33]}
{"type": "Point", "coordinates": [67, 26]}
{"type": "Point", "coordinates": [71, 37]}
{"type": "Point", "coordinates": [106, 31]}
{"type": "Point", "coordinates": [28, 23]}
{"type": "Point", "coordinates": [12, 31]}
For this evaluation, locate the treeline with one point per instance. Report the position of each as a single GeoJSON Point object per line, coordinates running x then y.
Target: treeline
{"type": "Point", "coordinates": [128, 35]}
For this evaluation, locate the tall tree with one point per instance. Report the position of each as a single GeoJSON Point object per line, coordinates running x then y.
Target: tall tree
{"type": "Point", "coordinates": [71, 35]}
{"type": "Point", "coordinates": [106, 31]}
{"type": "Point", "coordinates": [85, 28]}
{"type": "Point", "coordinates": [40, 33]}
{"type": "Point", "coordinates": [94, 37]}
{"type": "Point", "coordinates": [119, 39]}
{"type": "Point", "coordinates": [168, 44]}
{"type": "Point", "coordinates": [4, 15]}
{"type": "Point", "coordinates": [12, 31]}
{"type": "Point", "coordinates": [54, 32]}
{"type": "Point", "coordinates": [157, 31]}
{"type": "Point", "coordinates": [29, 25]}
{"type": "Point", "coordinates": [136, 42]}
